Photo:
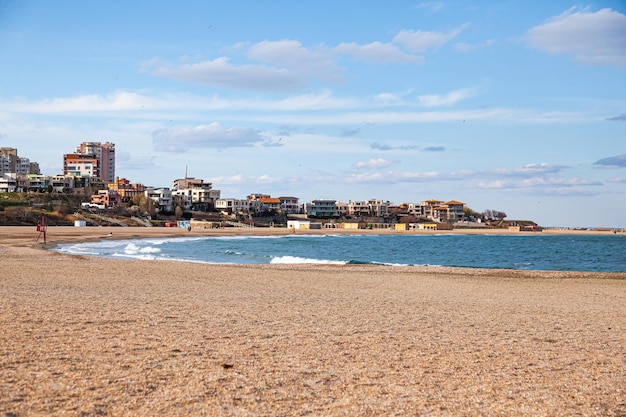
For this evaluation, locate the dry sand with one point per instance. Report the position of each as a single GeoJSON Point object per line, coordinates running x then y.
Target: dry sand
{"type": "Point", "coordinates": [89, 336]}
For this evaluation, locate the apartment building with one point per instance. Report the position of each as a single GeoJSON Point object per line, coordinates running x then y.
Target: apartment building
{"type": "Point", "coordinates": [8, 183]}
{"type": "Point", "coordinates": [107, 198]}
{"type": "Point", "coordinates": [162, 198]}
{"type": "Point", "coordinates": [105, 154]}
{"type": "Point", "coordinates": [322, 208]}
{"type": "Point", "coordinates": [290, 205]}
{"type": "Point", "coordinates": [61, 183]}
{"type": "Point", "coordinates": [269, 204]}
{"type": "Point", "coordinates": [200, 194]}
{"type": "Point", "coordinates": [450, 211]}
{"type": "Point", "coordinates": [77, 165]}
{"type": "Point", "coordinates": [126, 189]}
{"type": "Point", "coordinates": [10, 162]}
{"type": "Point", "coordinates": [378, 208]}
{"type": "Point", "coordinates": [233, 205]}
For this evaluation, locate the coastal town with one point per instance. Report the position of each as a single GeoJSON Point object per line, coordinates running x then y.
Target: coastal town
{"type": "Point", "coordinates": [89, 173]}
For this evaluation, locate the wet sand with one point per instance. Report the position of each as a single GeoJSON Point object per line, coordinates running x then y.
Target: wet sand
{"type": "Point", "coordinates": [91, 336]}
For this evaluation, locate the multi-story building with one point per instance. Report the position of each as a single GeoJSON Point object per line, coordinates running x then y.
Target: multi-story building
{"type": "Point", "coordinates": [378, 208]}
{"type": "Point", "coordinates": [38, 182]}
{"type": "Point", "coordinates": [450, 211]}
{"type": "Point", "coordinates": [62, 183]}
{"type": "Point", "coordinates": [428, 208]}
{"type": "Point", "coordinates": [8, 182]}
{"type": "Point", "coordinates": [10, 162]}
{"type": "Point", "coordinates": [8, 158]}
{"type": "Point", "coordinates": [375, 208]}
{"type": "Point", "coordinates": [200, 194]}
{"type": "Point", "coordinates": [78, 165]}
{"type": "Point", "coordinates": [290, 205]}
{"type": "Point", "coordinates": [233, 205]}
{"type": "Point", "coordinates": [358, 208]}
{"type": "Point", "coordinates": [107, 198]}
{"type": "Point", "coordinates": [322, 208]}
{"type": "Point", "coordinates": [125, 189]}
{"type": "Point", "coordinates": [105, 154]}
{"type": "Point", "coordinates": [162, 198]}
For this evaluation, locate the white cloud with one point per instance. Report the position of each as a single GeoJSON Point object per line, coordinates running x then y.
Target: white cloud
{"type": "Point", "coordinates": [374, 163]}
{"type": "Point", "coordinates": [471, 47]}
{"type": "Point", "coordinates": [431, 6]}
{"type": "Point", "coordinates": [530, 170]}
{"type": "Point", "coordinates": [590, 38]}
{"type": "Point", "coordinates": [554, 181]}
{"type": "Point", "coordinates": [212, 135]}
{"type": "Point", "coordinates": [420, 41]}
{"type": "Point", "coordinates": [221, 73]}
{"type": "Point", "coordinates": [286, 66]}
{"type": "Point", "coordinates": [390, 177]}
{"type": "Point", "coordinates": [244, 180]}
{"type": "Point", "coordinates": [315, 62]}
{"type": "Point", "coordinates": [113, 102]}
{"type": "Point", "coordinates": [437, 100]}
{"type": "Point", "coordinates": [377, 52]}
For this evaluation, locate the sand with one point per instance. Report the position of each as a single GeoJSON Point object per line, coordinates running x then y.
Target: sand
{"type": "Point", "coordinates": [90, 336]}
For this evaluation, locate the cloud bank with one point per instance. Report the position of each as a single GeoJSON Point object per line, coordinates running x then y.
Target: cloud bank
{"type": "Point", "coordinates": [589, 38]}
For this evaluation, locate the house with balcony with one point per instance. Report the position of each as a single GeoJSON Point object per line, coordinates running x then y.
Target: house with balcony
{"type": "Point", "coordinates": [38, 183]}
{"type": "Point", "coordinates": [449, 212]}
{"type": "Point", "coordinates": [62, 183]}
{"type": "Point", "coordinates": [233, 205]}
{"type": "Point", "coordinates": [125, 189]}
{"type": "Point", "coordinates": [108, 198]}
{"type": "Point", "coordinates": [378, 208]}
{"type": "Point", "coordinates": [358, 208]}
{"type": "Point", "coordinates": [269, 204]}
{"type": "Point", "coordinates": [162, 198]}
{"type": "Point", "coordinates": [8, 182]}
{"type": "Point", "coordinates": [322, 208]}
{"type": "Point", "coordinates": [290, 205]}
{"type": "Point", "coordinates": [427, 208]}
{"type": "Point", "coordinates": [199, 193]}
{"type": "Point", "coordinates": [78, 165]}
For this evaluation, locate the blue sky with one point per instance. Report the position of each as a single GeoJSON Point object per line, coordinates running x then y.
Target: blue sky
{"type": "Point", "coordinates": [514, 106]}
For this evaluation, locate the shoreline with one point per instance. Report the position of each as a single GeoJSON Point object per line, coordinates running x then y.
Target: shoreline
{"type": "Point", "coordinates": [62, 234]}
{"type": "Point", "coordinates": [26, 236]}
{"type": "Point", "coordinates": [98, 336]}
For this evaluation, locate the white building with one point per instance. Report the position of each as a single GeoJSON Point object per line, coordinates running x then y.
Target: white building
{"type": "Point", "coordinates": [233, 205]}
{"type": "Point", "coordinates": [162, 198]}
{"type": "Point", "coordinates": [8, 183]}
{"type": "Point", "coordinates": [322, 208]}
{"type": "Point", "coordinates": [290, 205]}
{"type": "Point", "coordinates": [196, 191]}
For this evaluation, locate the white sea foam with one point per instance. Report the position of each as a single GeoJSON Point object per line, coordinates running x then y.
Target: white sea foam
{"type": "Point", "coordinates": [132, 249]}
{"type": "Point", "coordinates": [142, 257]}
{"type": "Point", "coordinates": [299, 260]}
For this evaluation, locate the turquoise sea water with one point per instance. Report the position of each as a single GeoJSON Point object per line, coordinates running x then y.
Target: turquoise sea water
{"type": "Point", "coordinates": [533, 251]}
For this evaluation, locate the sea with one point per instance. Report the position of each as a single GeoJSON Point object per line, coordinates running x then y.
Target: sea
{"type": "Point", "coordinates": [592, 253]}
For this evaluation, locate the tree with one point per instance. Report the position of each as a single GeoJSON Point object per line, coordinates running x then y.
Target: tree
{"type": "Point", "coordinates": [494, 214]}
{"type": "Point", "coordinates": [471, 214]}
{"type": "Point", "coordinates": [500, 215]}
{"type": "Point", "coordinates": [178, 212]}
{"type": "Point", "coordinates": [145, 204]}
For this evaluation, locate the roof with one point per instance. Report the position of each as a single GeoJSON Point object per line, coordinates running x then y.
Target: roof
{"type": "Point", "coordinates": [454, 203]}
{"type": "Point", "coordinates": [270, 200]}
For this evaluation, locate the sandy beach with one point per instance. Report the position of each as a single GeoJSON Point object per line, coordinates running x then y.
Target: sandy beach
{"type": "Point", "coordinates": [107, 337]}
